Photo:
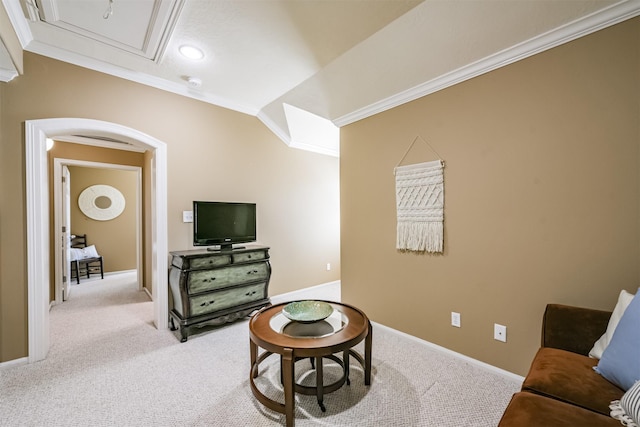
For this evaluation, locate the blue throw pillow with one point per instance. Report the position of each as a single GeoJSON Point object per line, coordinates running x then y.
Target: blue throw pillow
{"type": "Point", "coordinates": [620, 362]}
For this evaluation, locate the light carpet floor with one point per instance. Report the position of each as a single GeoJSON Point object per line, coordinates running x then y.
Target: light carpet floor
{"type": "Point", "coordinates": [109, 366]}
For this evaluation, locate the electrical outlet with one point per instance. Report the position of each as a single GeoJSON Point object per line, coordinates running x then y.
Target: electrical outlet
{"type": "Point", "coordinates": [499, 332]}
{"type": "Point", "coordinates": [187, 216]}
{"type": "Point", "coordinates": [328, 267]}
{"type": "Point", "coordinates": [455, 319]}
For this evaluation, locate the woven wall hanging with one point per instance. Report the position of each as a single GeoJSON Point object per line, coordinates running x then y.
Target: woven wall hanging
{"type": "Point", "coordinates": [420, 205]}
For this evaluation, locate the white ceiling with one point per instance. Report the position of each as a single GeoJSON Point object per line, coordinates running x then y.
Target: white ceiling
{"type": "Point", "coordinates": [342, 60]}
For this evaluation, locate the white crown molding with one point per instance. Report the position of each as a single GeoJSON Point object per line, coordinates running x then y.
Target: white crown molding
{"type": "Point", "coordinates": [581, 27]}
{"type": "Point", "coordinates": [596, 21]}
{"type": "Point", "coordinates": [7, 75]}
{"type": "Point", "coordinates": [145, 79]}
{"type": "Point", "coordinates": [18, 21]}
{"type": "Point", "coordinates": [274, 127]}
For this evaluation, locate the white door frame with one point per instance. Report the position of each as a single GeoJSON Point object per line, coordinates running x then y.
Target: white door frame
{"type": "Point", "coordinates": [58, 164]}
{"type": "Point", "coordinates": [62, 240]}
{"type": "Point", "coordinates": [37, 217]}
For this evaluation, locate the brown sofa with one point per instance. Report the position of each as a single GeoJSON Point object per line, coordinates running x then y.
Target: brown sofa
{"type": "Point", "coordinates": [561, 388]}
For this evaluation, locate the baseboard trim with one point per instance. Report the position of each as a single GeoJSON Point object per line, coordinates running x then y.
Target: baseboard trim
{"type": "Point", "coordinates": [14, 363]}
{"type": "Point", "coordinates": [109, 273]}
{"type": "Point", "coordinates": [486, 366]}
{"type": "Point", "coordinates": [324, 287]}
{"type": "Point", "coordinates": [301, 293]}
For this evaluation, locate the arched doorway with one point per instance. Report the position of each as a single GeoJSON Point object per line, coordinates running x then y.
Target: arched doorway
{"type": "Point", "coordinates": [38, 233]}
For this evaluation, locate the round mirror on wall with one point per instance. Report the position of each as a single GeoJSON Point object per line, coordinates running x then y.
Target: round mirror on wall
{"type": "Point", "coordinates": [101, 202]}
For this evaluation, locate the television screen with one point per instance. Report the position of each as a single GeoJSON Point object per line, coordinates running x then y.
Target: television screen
{"type": "Point", "coordinates": [223, 223]}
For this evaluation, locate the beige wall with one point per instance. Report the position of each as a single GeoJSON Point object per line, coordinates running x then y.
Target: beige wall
{"type": "Point", "coordinates": [115, 239]}
{"type": "Point", "coordinates": [541, 198]}
{"type": "Point", "coordinates": [213, 154]}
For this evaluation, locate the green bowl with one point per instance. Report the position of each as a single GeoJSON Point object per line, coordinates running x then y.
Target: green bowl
{"type": "Point", "coordinates": [307, 311]}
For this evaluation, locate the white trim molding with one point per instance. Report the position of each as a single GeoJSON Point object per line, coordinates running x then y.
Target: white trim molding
{"type": "Point", "coordinates": [483, 365]}
{"type": "Point", "coordinates": [58, 163]}
{"type": "Point", "coordinates": [596, 21]}
{"type": "Point", "coordinates": [7, 75]}
{"type": "Point", "coordinates": [14, 363]}
{"type": "Point", "coordinates": [39, 235]}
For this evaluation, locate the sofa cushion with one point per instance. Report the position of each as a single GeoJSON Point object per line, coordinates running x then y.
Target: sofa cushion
{"type": "Point", "coordinates": [570, 377]}
{"type": "Point", "coordinates": [532, 410]}
{"type": "Point", "coordinates": [572, 328]}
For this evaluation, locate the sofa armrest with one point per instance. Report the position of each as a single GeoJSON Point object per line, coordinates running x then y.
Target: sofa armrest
{"type": "Point", "coordinates": [574, 329]}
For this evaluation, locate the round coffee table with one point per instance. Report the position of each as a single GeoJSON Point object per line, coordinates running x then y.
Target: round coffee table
{"type": "Point", "coordinates": [340, 332]}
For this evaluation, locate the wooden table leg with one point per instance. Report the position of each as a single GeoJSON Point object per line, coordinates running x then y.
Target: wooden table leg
{"type": "Point", "coordinates": [345, 360]}
{"type": "Point", "coordinates": [320, 383]}
{"type": "Point", "coordinates": [288, 369]}
{"type": "Point", "coordinates": [253, 349]}
{"type": "Point", "coordinates": [367, 356]}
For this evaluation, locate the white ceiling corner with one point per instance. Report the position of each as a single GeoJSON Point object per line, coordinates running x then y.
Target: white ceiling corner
{"type": "Point", "coordinates": [338, 60]}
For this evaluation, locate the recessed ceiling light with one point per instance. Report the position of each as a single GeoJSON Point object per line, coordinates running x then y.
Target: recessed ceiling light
{"type": "Point", "coordinates": [191, 52]}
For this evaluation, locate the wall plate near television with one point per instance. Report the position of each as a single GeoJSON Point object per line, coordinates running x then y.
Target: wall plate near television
{"type": "Point", "coordinates": [223, 224]}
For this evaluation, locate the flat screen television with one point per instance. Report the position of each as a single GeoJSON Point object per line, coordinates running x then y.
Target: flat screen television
{"type": "Point", "coordinates": [223, 223]}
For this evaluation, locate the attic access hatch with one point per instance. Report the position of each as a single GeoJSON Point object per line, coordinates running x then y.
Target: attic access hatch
{"type": "Point", "coordinates": [141, 27]}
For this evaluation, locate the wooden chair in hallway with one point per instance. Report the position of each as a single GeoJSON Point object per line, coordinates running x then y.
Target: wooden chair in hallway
{"type": "Point", "coordinates": [85, 259]}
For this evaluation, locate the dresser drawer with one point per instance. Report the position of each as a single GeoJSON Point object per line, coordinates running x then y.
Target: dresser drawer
{"type": "Point", "coordinates": [209, 261]}
{"type": "Point", "coordinates": [250, 256]}
{"type": "Point", "coordinates": [203, 304]}
{"type": "Point", "coordinates": [204, 280]}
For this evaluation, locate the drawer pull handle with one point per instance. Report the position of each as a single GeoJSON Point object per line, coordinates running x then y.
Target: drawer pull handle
{"type": "Point", "coordinates": [206, 303]}
{"type": "Point", "coordinates": [249, 256]}
{"type": "Point", "coordinates": [250, 293]}
{"type": "Point", "coordinates": [252, 272]}
{"type": "Point", "coordinates": [211, 279]}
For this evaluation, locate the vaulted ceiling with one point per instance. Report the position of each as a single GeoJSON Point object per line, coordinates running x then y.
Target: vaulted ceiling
{"type": "Point", "coordinates": [337, 61]}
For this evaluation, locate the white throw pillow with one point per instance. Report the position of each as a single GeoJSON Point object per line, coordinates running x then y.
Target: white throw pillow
{"type": "Point", "coordinates": [623, 301]}
{"type": "Point", "coordinates": [75, 254]}
{"type": "Point", "coordinates": [90, 252]}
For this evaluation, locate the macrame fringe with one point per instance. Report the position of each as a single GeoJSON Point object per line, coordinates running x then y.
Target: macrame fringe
{"type": "Point", "coordinates": [619, 414]}
{"type": "Point", "coordinates": [420, 236]}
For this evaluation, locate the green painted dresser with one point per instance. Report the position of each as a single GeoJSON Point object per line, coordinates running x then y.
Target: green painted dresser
{"type": "Point", "coordinates": [215, 287]}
